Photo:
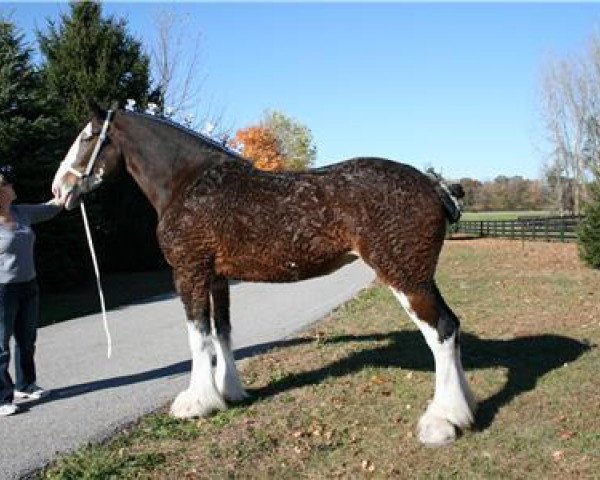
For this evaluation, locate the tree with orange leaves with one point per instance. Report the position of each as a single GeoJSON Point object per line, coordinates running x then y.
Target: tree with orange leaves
{"type": "Point", "coordinates": [259, 145]}
{"type": "Point", "coordinates": [278, 142]}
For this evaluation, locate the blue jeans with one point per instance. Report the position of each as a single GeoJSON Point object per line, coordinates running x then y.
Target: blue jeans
{"type": "Point", "coordinates": [19, 308]}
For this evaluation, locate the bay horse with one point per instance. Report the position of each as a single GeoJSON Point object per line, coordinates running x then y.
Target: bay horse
{"type": "Point", "coordinates": [219, 218]}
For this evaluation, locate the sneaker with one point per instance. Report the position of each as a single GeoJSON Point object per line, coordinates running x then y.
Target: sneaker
{"type": "Point", "coordinates": [32, 392]}
{"type": "Point", "coordinates": [8, 409]}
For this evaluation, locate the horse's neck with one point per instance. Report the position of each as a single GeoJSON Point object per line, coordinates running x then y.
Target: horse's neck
{"type": "Point", "coordinates": [161, 169]}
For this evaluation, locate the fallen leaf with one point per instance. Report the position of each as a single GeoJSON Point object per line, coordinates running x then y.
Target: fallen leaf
{"type": "Point", "coordinates": [566, 435]}
{"type": "Point", "coordinates": [368, 466]}
{"type": "Point", "coordinates": [558, 455]}
{"type": "Point", "coordinates": [378, 380]}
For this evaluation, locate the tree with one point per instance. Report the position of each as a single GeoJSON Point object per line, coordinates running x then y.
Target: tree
{"type": "Point", "coordinates": [277, 142]}
{"type": "Point", "coordinates": [295, 140]}
{"type": "Point", "coordinates": [28, 140]}
{"type": "Point", "coordinates": [178, 78]}
{"type": "Point", "coordinates": [86, 55]}
{"type": "Point", "coordinates": [471, 188]}
{"type": "Point", "coordinates": [26, 124]}
{"type": "Point", "coordinates": [570, 103]}
{"type": "Point", "coordinates": [566, 110]}
{"type": "Point", "coordinates": [177, 74]}
{"type": "Point", "coordinates": [259, 145]}
{"type": "Point", "coordinates": [504, 193]}
{"type": "Point", "coordinates": [588, 235]}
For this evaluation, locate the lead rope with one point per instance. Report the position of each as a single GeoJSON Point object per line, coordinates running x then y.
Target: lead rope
{"type": "Point", "coordinates": [97, 270]}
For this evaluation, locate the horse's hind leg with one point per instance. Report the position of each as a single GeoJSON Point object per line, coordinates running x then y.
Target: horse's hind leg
{"type": "Point", "coordinates": [226, 374]}
{"type": "Point", "coordinates": [452, 406]}
{"type": "Point", "coordinates": [201, 397]}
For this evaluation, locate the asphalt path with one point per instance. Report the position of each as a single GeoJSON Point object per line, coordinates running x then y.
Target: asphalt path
{"type": "Point", "coordinates": [94, 396]}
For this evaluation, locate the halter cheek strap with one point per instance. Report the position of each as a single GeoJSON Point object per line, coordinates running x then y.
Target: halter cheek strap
{"type": "Point", "coordinates": [96, 151]}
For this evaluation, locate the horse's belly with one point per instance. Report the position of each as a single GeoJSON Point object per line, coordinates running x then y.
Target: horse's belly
{"type": "Point", "coordinates": [253, 269]}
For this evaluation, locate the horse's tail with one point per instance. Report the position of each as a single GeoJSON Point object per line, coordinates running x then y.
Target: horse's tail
{"type": "Point", "coordinates": [449, 195]}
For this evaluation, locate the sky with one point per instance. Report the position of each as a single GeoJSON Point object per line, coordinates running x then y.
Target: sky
{"type": "Point", "coordinates": [449, 86]}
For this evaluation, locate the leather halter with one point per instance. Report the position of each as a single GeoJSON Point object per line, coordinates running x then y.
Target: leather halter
{"type": "Point", "coordinates": [84, 176]}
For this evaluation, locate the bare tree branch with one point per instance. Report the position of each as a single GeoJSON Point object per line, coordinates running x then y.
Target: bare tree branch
{"type": "Point", "coordinates": [177, 68]}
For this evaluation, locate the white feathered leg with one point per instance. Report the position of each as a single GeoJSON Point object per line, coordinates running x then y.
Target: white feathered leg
{"type": "Point", "coordinates": [226, 374]}
{"type": "Point", "coordinates": [202, 396]}
{"type": "Point", "coordinates": [453, 404]}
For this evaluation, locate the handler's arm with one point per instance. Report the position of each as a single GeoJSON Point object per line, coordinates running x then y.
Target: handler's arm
{"type": "Point", "coordinates": [37, 213]}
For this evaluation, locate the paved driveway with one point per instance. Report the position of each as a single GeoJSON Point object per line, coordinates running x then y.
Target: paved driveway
{"type": "Point", "coordinates": [94, 396]}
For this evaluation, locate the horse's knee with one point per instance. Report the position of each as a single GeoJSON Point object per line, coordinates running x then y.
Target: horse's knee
{"type": "Point", "coordinates": [429, 307]}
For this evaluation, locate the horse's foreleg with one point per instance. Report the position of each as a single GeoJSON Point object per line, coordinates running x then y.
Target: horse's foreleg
{"type": "Point", "coordinates": [226, 374]}
{"type": "Point", "coordinates": [453, 405]}
{"type": "Point", "coordinates": [202, 396]}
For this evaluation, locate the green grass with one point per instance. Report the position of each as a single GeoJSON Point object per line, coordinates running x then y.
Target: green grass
{"type": "Point", "coordinates": [342, 400]}
{"type": "Point", "coordinates": [504, 215]}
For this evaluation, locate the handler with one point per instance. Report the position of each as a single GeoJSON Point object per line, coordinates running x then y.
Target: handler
{"type": "Point", "coordinates": [19, 293]}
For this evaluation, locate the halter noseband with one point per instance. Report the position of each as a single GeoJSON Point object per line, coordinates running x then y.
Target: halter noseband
{"type": "Point", "coordinates": [84, 176]}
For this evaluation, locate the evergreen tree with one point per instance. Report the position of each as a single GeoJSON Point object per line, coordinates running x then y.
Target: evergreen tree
{"type": "Point", "coordinates": [26, 125]}
{"type": "Point", "coordinates": [588, 236]}
{"type": "Point", "coordinates": [87, 56]}
{"type": "Point", "coordinates": [28, 132]}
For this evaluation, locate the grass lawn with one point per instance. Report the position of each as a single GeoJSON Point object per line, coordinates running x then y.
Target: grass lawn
{"type": "Point", "coordinates": [342, 400]}
{"type": "Point", "coordinates": [508, 215]}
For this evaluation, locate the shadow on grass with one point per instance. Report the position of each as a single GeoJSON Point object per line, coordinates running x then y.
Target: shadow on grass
{"type": "Point", "coordinates": [527, 359]}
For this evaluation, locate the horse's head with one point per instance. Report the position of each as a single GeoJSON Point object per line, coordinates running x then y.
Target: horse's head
{"type": "Point", "coordinates": [93, 155]}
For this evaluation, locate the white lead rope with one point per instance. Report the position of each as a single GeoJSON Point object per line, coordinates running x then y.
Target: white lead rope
{"type": "Point", "coordinates": [97, 270]}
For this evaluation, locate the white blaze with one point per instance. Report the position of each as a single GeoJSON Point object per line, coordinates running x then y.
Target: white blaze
{"type": "Point", "coordinates": [69, 160]}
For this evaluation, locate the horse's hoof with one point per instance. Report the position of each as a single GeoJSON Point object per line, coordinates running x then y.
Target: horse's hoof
{"type": "Point", "coordinates": [230, 387]}
{"type": "Point", "coordinates": [436, 431]}
{"type": "Point", "coordinates": [236, 396]}
{"type": "Point", "coordinates": [232, 390]}
{"type": "Point", "coordinates": [189, 404]}
{"type": "Point", "coordinates": [185, 406]}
